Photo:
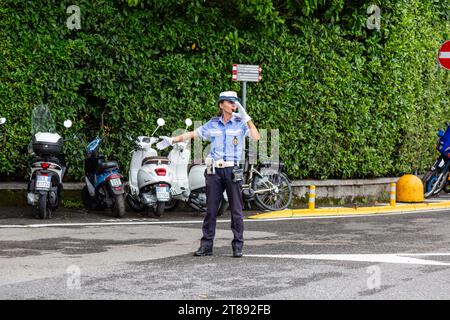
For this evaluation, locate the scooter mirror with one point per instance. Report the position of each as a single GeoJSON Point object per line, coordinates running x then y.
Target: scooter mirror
{"type": "Point", "coordinates": [188, 122]}
{"type": "Point", "coordinates": [67, 123]}
{"type": "Point", "coordinates": [160, 122]}
{"type": "Point", "coordinates": [2, 121]}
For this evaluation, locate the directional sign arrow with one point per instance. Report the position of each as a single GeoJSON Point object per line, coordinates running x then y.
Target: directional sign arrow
{"type": "Point", "coordinates": [246, 72]}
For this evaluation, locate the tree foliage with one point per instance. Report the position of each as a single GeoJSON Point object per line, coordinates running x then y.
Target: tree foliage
{"type": "Point", "coordinates": [348, 101]}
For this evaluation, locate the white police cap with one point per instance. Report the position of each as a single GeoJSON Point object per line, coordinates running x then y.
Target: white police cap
{"type": "Point", "coordinates": [228, 95]}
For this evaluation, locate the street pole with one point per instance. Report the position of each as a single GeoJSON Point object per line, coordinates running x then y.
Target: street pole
{"type": "Point", "coordinates": [244, 94]}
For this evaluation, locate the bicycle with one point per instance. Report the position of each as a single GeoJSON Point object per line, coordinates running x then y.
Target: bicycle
{"type": "Point", "coordinates": [270, 188]}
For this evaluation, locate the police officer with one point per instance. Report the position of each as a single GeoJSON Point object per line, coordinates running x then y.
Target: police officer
{"type": "Point", "coordinates": [227, 134]}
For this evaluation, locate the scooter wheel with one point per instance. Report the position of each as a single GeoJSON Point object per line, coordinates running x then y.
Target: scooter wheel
{"type": "Point", "coordinates": [44, 210]}
{"type": "Point", "coordinates": [159, 210]}
{"type": "Point", "coordinates": [119, 206]}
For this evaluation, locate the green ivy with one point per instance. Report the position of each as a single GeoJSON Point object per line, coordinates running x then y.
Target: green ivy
{"type": "Point", "coordinates": [349, 102]}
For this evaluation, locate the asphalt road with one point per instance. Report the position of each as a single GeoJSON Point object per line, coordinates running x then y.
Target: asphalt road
{"type": "Point", "coordinates": [404, 256]}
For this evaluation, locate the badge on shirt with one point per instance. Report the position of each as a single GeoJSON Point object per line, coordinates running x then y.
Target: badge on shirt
{"type": "Point", "coordinates": [235, 141]}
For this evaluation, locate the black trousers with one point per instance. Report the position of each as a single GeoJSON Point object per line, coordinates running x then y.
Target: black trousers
{"type": "Point", "coordinates": [216, 184]}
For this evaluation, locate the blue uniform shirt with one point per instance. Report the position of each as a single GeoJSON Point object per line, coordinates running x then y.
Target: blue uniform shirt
{"type": "Point", "coordinates": [227, 140]}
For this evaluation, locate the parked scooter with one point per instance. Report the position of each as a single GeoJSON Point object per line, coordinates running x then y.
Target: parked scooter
{"type": "Point", "coordinates": [48, 166]}
{"type": "Point", "coordinates": [189, 185]}
{"type": "Point", "coordinates": [149, 176]}
{"type": "Point", "coordinates": [437, 178]}
{"type": "Point", "coordinates": [104, 183]}
{"type": "Point", "coordinates": [2, 122]}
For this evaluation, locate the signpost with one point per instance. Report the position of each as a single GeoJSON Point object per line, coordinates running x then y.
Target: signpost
{"type": "Point", "coordinates": [246, 73]}
{"type": "Point", "coordinates": [444, 55]}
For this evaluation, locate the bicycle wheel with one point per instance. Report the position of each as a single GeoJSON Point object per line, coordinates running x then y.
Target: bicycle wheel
{"type": "Point", "coordinates": [277, 199]}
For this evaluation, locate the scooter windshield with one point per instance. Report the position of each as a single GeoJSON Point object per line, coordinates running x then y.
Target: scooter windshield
{"type": "Point", "coordinates": [41, 120]}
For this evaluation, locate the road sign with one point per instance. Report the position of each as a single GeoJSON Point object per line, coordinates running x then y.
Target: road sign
{"type": "Point", "coordinates": [246, 72]}
{"type": "Point", "coordinates": [444, 55]}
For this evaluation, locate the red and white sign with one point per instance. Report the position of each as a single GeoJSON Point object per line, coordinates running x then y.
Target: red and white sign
{"type": "Point", "coordinates": [246, 72]}
{"type": "Point", "coordinates": [444, 55]}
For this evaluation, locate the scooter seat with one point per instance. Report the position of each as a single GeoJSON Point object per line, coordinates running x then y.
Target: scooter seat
{"type": "Point", "coordinates": [108, 165]}
{"type": "Point", "coordinates": [155, 160]}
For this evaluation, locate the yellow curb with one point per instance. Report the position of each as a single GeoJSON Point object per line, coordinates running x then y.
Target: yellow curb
{"type": "Point", "coordinates": [273, 214]}
{"type": "Point", "coordinates": [310, 211]}
{"type": "Point", "coordinates": [439, 204]}
{"type": "Point", "coordinates": [420, 205]}
{"type": "Point", "coordinates": [349, 211]}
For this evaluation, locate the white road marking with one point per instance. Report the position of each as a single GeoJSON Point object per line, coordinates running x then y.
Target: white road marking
{"type": "Point", "coordinates": [399, 258]}
{"type": "Point", "coordinates": [101, 224]}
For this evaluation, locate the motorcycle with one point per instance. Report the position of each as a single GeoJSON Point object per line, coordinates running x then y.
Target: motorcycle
{"type": "Point", "coordinates": [189, 185]}
{"type": "Point", "coordinates": [104, 184]}
{"type": "Point", "coordinates": [149, 176]}
{"type": "Point", "coordinates": [436, 179]}
{"type": "Point", "coordinates": [48, 166]}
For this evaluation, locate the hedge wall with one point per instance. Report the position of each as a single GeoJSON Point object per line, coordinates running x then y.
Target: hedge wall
{"type": "Point", "coordinates": [349, 102]}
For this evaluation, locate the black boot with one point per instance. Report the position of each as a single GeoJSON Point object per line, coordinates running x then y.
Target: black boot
{"type": "Point", "coordinates": [237, 253]}
{"type": "Point", "coordinates": [202, 251]}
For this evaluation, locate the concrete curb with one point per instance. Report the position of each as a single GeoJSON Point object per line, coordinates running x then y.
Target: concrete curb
{"type": "Point", "coordinates": [295, 183]}
{"type": "Point", "coordinates": [22, 186]}
{"type": "Point", "coordinates": [344, 189]}
{"type": "Point", "coordinates": [345, 182]}
{"type": "Point", "coordinates": [292, 213]}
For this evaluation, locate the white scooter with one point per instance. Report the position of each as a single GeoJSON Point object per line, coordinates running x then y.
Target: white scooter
{"type": "Point", "coordinates": [149, 176]}
{"type": "Point", "coordinates": [2, 122]}
{"type": "Point", "coordinates": [189, 185]}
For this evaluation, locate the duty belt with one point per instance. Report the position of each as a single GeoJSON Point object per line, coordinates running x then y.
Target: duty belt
{"type": "Point", "coordinates": [223, 164]}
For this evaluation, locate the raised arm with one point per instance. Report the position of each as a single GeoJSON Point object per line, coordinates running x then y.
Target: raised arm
{"type": "Point", "coordinates": [185, 136]}
{"type": "Point", "coordinates": [168, 141]}
{"type": "Point", "coordinates": [254, 133]}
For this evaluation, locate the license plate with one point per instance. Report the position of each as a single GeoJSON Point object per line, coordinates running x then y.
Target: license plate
{"type": "Point", "coordinates": [43, 182]}
{"type": "Point", "coordinates": [163, 193]}
{"type": "Point", "coordinates": [116, 182]}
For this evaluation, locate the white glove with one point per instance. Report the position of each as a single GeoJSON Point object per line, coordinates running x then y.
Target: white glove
{"type": "Point", "coordinates": [164, 143]}
{"type": "Point", "coordinates": [242, 113]}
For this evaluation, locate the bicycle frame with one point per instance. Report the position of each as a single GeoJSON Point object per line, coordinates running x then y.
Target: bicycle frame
{"type": "Point", "coordinates": [249, 180]}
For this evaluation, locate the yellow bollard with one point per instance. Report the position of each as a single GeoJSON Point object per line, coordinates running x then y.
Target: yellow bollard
{"type": "Point", "coordinates": [409, 188]}
{"type": "Point", "coordinates": [312, 197]}
{"type": "Point", "coordinates": [392, 197]}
